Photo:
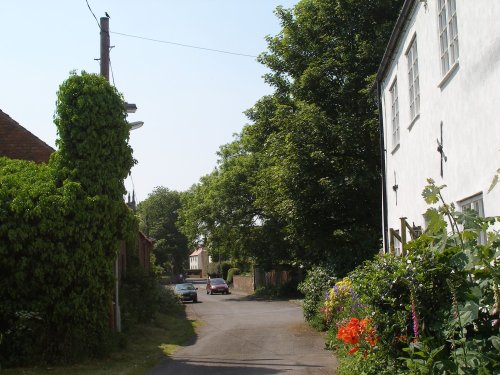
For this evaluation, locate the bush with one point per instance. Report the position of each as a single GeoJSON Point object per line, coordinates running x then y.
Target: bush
{"type": "Point", "coordinates": [213, 269]}
{"type": "Point", "coordinates": [225, 269]}
{"type": "Point", "coordinates": [436, 310]}
{"type": "Point", "coordinates": [318, 280]}
{"type": "Point", "coordinates": [59, 232]}
{"type": "Point", "coordinates": [230, 273]}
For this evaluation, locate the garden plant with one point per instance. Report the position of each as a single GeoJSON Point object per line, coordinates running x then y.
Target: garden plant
{"type": "Point", "coordinates": [433, 311]}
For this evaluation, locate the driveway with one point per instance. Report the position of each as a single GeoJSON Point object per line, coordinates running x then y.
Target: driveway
{"type": "Point", "coordinates": [243, 336]}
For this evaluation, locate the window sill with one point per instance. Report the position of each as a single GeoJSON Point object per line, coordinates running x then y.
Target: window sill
{"type": "Point", "coordinates": [448, 75]}
{"type": "Point", "coordinates": [395, 149]}
{"type": "Point", "coordinates": [413, 122]}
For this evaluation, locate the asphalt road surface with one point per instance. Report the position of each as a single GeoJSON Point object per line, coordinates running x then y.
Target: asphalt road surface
{"type": "Point", "coordinates": [243, 336]}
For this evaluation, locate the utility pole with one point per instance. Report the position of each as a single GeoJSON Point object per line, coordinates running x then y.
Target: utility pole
{"type": "Point", "coordinates": [105, 73]}
{"type": "Point", "coordinates": [105, 47]}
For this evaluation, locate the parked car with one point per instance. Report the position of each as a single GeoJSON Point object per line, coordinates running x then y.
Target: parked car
{"type": "Point", "coordinates": [186, 292]}
{"type": "Point", "coordinates": [217, 286]}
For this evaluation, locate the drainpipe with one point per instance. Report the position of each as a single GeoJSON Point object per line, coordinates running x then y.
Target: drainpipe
{"type": "Point", "coordinates": [118, 319]}
{"type": "Point", "coordinates": [382, 168]}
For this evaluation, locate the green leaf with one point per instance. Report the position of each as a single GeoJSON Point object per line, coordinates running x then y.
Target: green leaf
{"type": "Point", "coordinates": [494, 182]}
{"type": "Point", "coordinates": [495, 341]}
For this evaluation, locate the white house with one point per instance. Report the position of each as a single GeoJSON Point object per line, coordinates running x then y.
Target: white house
{"type": "Point", "coordinates": [439, 100]}
{"type": "Point", "coordinates": [198, 260]}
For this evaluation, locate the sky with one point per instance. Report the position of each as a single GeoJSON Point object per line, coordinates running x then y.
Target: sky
{"type": "Point", "coordinates": [191, 100]}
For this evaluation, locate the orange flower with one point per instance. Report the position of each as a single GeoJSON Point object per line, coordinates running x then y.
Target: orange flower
{"type": "Point", "coordinates": [356, 329]}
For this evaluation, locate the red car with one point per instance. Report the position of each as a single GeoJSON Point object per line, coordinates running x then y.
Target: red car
{"type": "Point", "coordinates": [217, 286]}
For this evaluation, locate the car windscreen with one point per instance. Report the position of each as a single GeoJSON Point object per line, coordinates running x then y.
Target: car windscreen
{"type": "Point", "coordinates": [184, 287]}
{"type": "Point", "coordinates": [217, 281]}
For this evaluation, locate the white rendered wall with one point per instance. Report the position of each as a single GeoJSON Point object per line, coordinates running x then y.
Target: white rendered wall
{"type": "Point", "coordinates": [468, 105]}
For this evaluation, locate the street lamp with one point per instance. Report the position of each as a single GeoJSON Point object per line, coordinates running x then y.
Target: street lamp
{"type": "Point", "coordinates": [135, 124]}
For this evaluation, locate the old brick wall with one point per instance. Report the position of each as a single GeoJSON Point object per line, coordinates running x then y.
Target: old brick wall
{"type": "Point", "coordinates": [243, 283]}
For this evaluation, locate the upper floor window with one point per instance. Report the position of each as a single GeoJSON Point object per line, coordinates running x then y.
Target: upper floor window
{"type": "Point", "coordinates": [475, 203]}
{"type": "Point", "coordinates": [413, 83]}
{"type": "Point", "coordinates": [395, 113]}
{"type": "Point", "coordinates": [448, 34]}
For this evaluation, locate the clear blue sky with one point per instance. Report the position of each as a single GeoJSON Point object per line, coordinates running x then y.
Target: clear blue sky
{"type": "Point", "coordinates": [190, 100]}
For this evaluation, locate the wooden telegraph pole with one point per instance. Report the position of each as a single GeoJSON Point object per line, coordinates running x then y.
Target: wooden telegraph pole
{"type": "Point", "coordinates": [105, 47]}
{"type": "Point", "coordinates": [105, 44]}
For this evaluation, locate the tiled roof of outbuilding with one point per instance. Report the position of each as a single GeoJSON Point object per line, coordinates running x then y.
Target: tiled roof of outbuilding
{"type": "Point", "coordinates": [17, 142]}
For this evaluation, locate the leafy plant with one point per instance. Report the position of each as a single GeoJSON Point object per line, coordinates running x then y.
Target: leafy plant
{"type": "Point", "coordinates": [318, 280]}
{"type": "Point", "coordinates": [59, 232]}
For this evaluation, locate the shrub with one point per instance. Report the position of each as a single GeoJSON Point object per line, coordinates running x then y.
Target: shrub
{"type": "Point", "coordinates": [59, 232]}
{"type": "Point", "coordinates": [230, 273]}
{"type": "Point", "coordinates": [225, 269]}
{"type": "Point", "coordinates": [318, 280]}
{"type": "Point", "coordinates": [436, 309]}
{"type": "Point", "coordinates": [213, 269]}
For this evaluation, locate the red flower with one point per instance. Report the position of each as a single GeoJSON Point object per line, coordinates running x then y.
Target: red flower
{"type": "Point", "coordinates": [356, 329]}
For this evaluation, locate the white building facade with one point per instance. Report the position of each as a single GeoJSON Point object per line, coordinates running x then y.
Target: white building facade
{"type": "Point", "coordinates": [439, 100]}
{"type": "Point", "coordinates": [198, 260]}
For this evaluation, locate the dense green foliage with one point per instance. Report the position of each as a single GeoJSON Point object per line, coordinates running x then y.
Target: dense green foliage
{"type": "Point", "coordinates": [59, 232]}
{"type": "Point", "coordinates": [300, 183]}
{"type": "Point", "coordinates": [436, 310]}
{"type": "Point", "coordinates": [230, 273]}
{"type": "Point", "coordinates": [314, 287]}
{"type": "Point", "coordinates": [158, 220]}
{"type": "Point", "coordinates": [93, 136]}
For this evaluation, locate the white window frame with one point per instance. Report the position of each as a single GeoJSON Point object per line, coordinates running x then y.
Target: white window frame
{"type": "Point", "coordinates": [448, 34]}
{"type": "Point", "coordinates": [475, 203]}
{"type": "Point", "coordinates": [395, 113]}
{"type": "Point", "coordinates": [413, 80]}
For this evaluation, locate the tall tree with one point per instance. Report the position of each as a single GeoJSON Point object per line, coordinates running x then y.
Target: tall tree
{"type": "Point", "coordinates": [322, 155]}
{"type": "Point", "coordinates": [158, 216]}
{"type": "Point", "coordinates": [302, 181]}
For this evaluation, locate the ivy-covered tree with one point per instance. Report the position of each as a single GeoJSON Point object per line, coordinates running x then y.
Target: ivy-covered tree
{"type": "Point", "coordinates": [59, 231]}
{"type": "Point", "coordinates": [93, 135]}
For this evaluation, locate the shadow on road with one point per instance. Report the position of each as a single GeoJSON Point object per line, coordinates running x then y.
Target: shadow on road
{"type": "Point", "coordinates": [216, 366]}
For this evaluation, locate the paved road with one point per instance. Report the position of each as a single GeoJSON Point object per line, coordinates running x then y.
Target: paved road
{"type": "Point", "coordinates": [245, 337]}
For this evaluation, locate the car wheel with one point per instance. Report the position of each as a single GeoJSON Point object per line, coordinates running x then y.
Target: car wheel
{"type": "Point", "coordinates": [195, 300]}
{"type": "Point", "coordinates": [211, 292]}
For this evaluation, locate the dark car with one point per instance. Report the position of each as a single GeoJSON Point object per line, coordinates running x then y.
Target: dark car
{"type": "Point", "coordinates": [217, 286]}
{"type": "Point", "coordinates": [186, 292]}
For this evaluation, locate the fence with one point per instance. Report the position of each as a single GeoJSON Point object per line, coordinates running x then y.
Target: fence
{"type": "Point", "coordinates": [402, 237]}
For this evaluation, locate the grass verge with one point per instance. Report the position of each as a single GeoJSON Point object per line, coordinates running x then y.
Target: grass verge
{"type": "Point", "coordinates": [146, 345]}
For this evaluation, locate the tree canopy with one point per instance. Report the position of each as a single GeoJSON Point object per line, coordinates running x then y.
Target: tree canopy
{"type": "Point", "coordinates": [158, 220]}
{"type": "Point", "coordinates": [301, 182]}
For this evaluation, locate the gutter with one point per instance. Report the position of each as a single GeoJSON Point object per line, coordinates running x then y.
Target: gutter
{"type": "Point", "coordinates": [385, 236]}
{"type": "Point", "coordinates": [395, 36]}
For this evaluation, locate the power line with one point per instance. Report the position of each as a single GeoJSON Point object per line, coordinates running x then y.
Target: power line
{"type": "Point", "coordinates": [183, 45]}
{"type": "Point", "coordinates": [111, 66]}
{"type": "Point", "coordinates": [98, 24]}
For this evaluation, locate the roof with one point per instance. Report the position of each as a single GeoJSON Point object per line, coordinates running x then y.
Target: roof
{"type": "Point", "coordinates": [197, 252]}
{"type": "Point", "coordinates": [17, 142]}
{"type": "Point", "coordinates": [146, 238]}
{"type": "Point", "coordinates": [396, 34]}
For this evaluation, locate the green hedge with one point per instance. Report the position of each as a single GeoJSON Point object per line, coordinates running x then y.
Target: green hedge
{"type": "Point", "coordinates": [59, 231]}
{"type": "Point", "coordinates": [230, 273]}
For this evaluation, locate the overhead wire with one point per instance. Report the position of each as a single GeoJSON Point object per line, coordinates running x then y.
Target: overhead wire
{"type": "Point", "coordinates": [183, 45]}
{"type": "Point", "coordinates": [98, 24]}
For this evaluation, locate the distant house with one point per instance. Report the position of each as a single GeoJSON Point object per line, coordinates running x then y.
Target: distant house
{"type": "Point", "coordinates": [17, 142]}
{"type": "Point", "coordinates": [439, 94]}
{"type": "Point", "coordinates": [198, 260]}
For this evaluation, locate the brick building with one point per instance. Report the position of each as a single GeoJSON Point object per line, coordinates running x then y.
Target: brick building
{"type": "Point", "coordinates": [17, 142]}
